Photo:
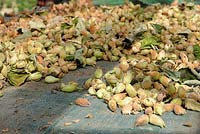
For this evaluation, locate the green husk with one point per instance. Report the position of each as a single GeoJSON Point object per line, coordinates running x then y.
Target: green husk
{"type": "Point", "coordinates": [70, 87]}
{"type": "Point", "coordinates": [51, 79]}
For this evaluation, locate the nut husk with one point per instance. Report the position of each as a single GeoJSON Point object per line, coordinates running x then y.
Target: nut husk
{"type": "Point", "coordinates": [148, 110]}
{"type": "Point", "coordinates": [123, 64]}
{"type": "Point", "coordinates": [179, 110]}
{"type": "Point", "coordinates": [169, 107]}
{"type": "Point", "coordinates": [127, 109]}
{"type": "Point", "coordinates": [158, 108]}
{"type": "Point", "coordinates": [142, 120]}
{"type": "Point", "coordinates": [83, 102]}
{"type": "Point", "coordinates": [146, 83]}
{"type": "Point", "coordinates": [98, 73]}
{"type": "Point", "coordinates": [51, 79]}
{"type": "Point", "coordinates": [164, 80]}
{"type": "Point", "coordinates": [35, 76]}
{"type": "Point", "coordinates": [156, 120]}
{"type": "Point", "coordinates": [112, 105]}
{"type": "Point", "coordinates": [69, 87]}
{"type": "Point", "coordinates": [131, 91]}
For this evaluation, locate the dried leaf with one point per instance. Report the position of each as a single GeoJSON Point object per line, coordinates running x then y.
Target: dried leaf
{"type": "Point", "coordinates": [192, 82]}
{"type": "Point", "coordinates": [187, 124]}
{"type": "Point", "coordinates": [192, 104]}
{"type": "Point", "coordinates": [25, 35]}
{"type": "Point", "coordinates": [76, 121]}
{"type": "Point", "coordinates": [89, 116]}
{"type": "Point", "coordinates": [68, 123]}
{"type": "Point", "coordinates": [37, 25]}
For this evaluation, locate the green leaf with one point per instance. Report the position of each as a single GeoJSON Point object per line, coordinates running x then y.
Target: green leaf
{"type": "Point", "coordinates": [79, 25]}
{"type": "Point", "coordinates": [182, 75]}
{"type": "Point", "coordinates": [174, 75]}
{"type": "Point", "coordinates": [186, 74]}
{"type": "Point", "coordinates": [157, 27]}
{"type": "Point", "coordinates": [75, 21]}
{"type": "Point", "coordinates": [16, 79]}
{"type": "Point", "coordinates": [149, 41]}
{"type": "Point", "coordinates": [150, 2]}
{"type": "Point", "coordinates": [79, 55]}
{"type": "Point", "coordinates": [196, 51]}
{"type": "Point", "coordinates": [108, 2]}
{"type": "Point", "coordinates": [69, 57]}
{"type": "Point", "coordinates": [66, 26]}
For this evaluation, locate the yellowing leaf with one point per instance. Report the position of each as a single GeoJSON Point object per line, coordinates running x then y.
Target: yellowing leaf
{"type": "Point", "coordinates": [16, 79]}
{"type": "Point", "coordinates": [36, 25]}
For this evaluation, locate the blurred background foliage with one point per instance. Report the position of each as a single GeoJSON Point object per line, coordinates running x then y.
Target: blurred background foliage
{"type": "Point", "coordinates": [8, 6]}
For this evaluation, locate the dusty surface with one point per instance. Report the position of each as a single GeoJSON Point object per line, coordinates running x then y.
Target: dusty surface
{"type": "Point", "coordinates": [34, 105]}
{"type": "Point", "coordinates": [36, 108]}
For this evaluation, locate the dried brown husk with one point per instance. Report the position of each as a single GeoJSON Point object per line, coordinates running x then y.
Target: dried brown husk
{"type": "Point", "coordinates": [142, 120]}
{"type": "Point", "coordinates": [83, 102]}
{"type": "Point", "coordinates": [169, 107]}
{"type": "Point", "coordinates": [127, 109]}
{"type": "Point", "coordinates": [179, 110]}
{"type": "Point", "coordinates": [148, 110]}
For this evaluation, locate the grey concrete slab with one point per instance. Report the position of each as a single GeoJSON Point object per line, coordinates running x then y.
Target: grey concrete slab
{"type": "Point", "coordinates": [35, 108]}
